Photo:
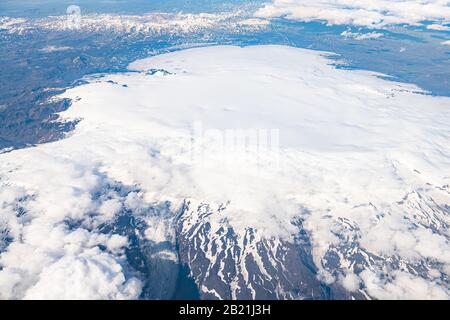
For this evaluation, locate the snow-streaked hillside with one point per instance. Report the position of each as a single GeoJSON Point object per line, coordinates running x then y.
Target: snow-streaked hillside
{"type": "Point", "coordinates": [265, 170]}
{"type": "Point", "coordinates": [367, 13]}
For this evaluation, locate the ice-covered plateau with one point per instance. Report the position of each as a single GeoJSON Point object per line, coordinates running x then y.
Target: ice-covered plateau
{"type": "Point", "coordinates": [341, 190]}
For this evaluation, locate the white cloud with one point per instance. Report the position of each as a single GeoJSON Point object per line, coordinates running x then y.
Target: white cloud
{"type": "Point", "coordinates": [92, 275]}
{"type": "Point", "coordinates": [110, 208]}
{"type": "Point", "coordinates": [403, 286]}
{"type": "Point", "coordinates": [368, 13]}
{"type": "Point", "coordinates": [438, 27]}
{"type": "Point", "coordinates": [352, 146]}
{"type": "Point", "coordinates": [361, 36]}
{"type": "Point", "coordinates": [158, 230]}
{"type": "Point", "coordinates": [351, 282]}
{"type": "Point", "coordinates": [116, 242]}
{"type": "Point", "coordinates": [325, 277]}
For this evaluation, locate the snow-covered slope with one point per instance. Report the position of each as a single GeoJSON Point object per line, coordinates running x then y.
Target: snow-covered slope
{"type": "Point", "coordinates": [146, 24]}
{"type": "Point", "coordinates": [265, 170]}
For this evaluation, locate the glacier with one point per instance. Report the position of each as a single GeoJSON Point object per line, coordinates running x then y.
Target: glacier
{"type": "Point", "coordinates": [340, 191]}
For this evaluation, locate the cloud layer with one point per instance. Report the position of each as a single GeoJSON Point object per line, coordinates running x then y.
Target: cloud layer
{"type": "Point", "coordinates": [364, 13]}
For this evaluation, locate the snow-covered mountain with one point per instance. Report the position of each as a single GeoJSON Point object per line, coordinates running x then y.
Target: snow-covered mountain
{"type": "Point", "coordinates": [147, 24]}
{"type": "Point", "coordinates": [264, 171]}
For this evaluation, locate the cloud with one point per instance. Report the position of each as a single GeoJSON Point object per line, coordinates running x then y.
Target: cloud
{"type": "Point", "coordinates": [351, 282]}
{"type": "Point", "coordinates": [47, 257]}
{"type": "Point", "coordinates": [403, 286]}
{"type": "Point", "coordinates": [366, 13]}
{"type": "Point", "coordinates": [92, 275]}
{"type": "Point", "coordinates": [438, 27]}
{"type": "Point", "coordinates": [360, 159]}
{"type": "Point", "coordinates": [361, 36]}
